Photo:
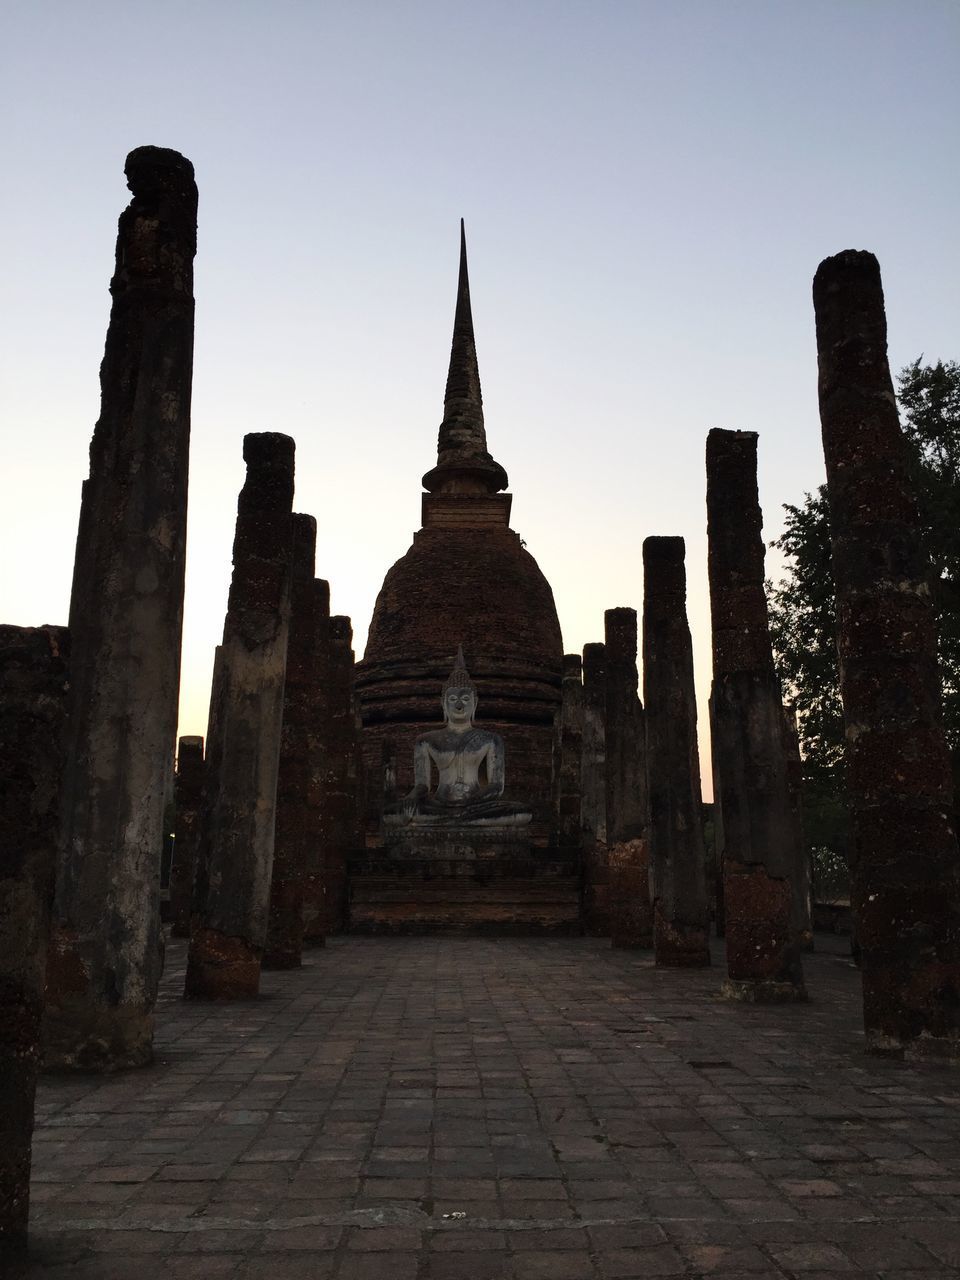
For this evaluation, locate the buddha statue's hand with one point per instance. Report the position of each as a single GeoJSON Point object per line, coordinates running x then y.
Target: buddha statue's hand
{"type": "Point", "coordinates": [410, 803]}
{"type": "Point", "coordinates": [486, 793]}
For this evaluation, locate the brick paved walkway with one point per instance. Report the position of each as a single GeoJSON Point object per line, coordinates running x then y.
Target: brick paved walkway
{"type": "Point", "coordinates": [431, 1108]}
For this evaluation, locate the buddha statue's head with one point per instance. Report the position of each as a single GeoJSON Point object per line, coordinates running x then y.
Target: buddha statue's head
{"type": "Point", "coordinates": [459, 698]}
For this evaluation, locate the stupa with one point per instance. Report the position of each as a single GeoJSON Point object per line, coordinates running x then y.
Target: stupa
{"type": "Point", "coordinates": [466, 580]}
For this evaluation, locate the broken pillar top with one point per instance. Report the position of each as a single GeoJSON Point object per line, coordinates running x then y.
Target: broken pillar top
{"type": "Point", "coordinates": [663, 566]}
{"type": "Point", "coordinates": [150, 169]}
{"type": "Point", "coordinates": [270, 460]}
{"type": "Point", "coordinates": [463, 463]}
{"type": "Point", "coordinates": [851, 323]}
{"type": "Point", "coordinates": [304, 546]}
{"type": "Point", "coordinates": [341, 628]}
{"type": "Point", "coordinates": [572, 666]}
{"type": "Point", "coordinates": [158, 230]}
{"type": "Point", "coordinates": [620, 631]}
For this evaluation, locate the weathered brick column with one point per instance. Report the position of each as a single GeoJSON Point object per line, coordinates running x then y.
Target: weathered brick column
{"type": "Point", "coordinates": [593, 787]}
{"type": "Point", "coordinates": [340, 812]}
{"type": "Point", "coordinates": [906, 877]}
{"type": "Point", "coordinates": [235, 857]}
{"type": "Point", "coordinates": [188, 786]}
{"type": "Point", "coordinates": [719, 915]}
{"type": "Point", "coordinates": [681, 920]}
{"type": "Point", "coordinates": [631, 914]}
{"type": "Point", "coordinates": [299, 784]}
{"type": "Point", "coordinates": [313, 903]}
{"type": "Point", "coordinates": [570, 752]}
{"type": "Point", "coordinates": [126, 613]}
{"type": "Point", "coordinates": [33, 695]}
{"type": "Point", "coordinates": [802, 878]}
{"type": "Point", "coordinates": [763, 950]}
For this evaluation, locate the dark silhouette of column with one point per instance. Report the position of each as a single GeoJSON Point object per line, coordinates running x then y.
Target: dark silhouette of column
{"type": "Point", "coordinates": [569, 753]}
{"type": "Point", "coordinates": [126, 614]}
{"type": "Point", "coordinates": [33, 695]}
{"type": "Point", "coordinates": [906, 874]}
{"type": "Point", "coordinates": [235, 857]}
{"type": "Point", "coordinates": [681, 919]}
{"type": "Point", "coordinates": [341, 813]}
{"type": "Point", "coordinates": [313, 906]}
{"type": "Point", "coordinates": [631, 914]}
{"type": "Point", "coordinates": [763, 950]}
{"type": "Point", "coordinates": [593, 784]}
{"type": "Point", "coordinates": [187, 790]}
{"type": "Point", "coordinates": [716, 867]}
{"type": "Point", "coordinates": [299, 786]}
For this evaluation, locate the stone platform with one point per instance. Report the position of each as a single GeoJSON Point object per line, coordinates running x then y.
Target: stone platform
{"type": "Point", "coordinates": [480, 1109]}
{"type": "Point", "coordinates": [435, 882]}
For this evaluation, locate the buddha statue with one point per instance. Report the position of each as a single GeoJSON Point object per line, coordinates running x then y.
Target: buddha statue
{"type": "Point", "coordinates": [469, 763]}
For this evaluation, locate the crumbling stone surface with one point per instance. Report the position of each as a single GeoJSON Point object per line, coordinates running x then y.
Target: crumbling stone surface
{"type": "Point", "coordinates": [715, 869]}
{"type": "Point", "coordinates": [763, 949]}
{"type": "Point", "coordinates": [235, 854]}
{"type": "Point", "coordinates": [33, 690]}
{"type": "Point", "coordinates": [340, 816]}
{"type": "Point", "coordinates": [126, 612]}
{"type": "Point", "coordinates": [187, 790]}
{"type": "Point", "coordinates": [593, 800]}
{"type": "Point", "coordinates": [569, 753]}
{"type": "Point", "coordinates": [631, 914]}
{"type": "Point", "coordinates": [906, 875]}
{"type": "Point", "coordinates": [299, 787]}
{"type": "Point", "coordinates": [313, 908]}
{"type": "Point", "coordinates": [680, 909]}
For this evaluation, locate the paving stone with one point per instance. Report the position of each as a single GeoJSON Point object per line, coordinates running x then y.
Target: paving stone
{"type": "Point", "coordinates": [491, 1264]}
{"type": "Point", "coordinates": [624, 1264]}
{"type": "Point", "coordinates": [545, 1082]}
{"type": "Point", "coordinates": [812, 1257]}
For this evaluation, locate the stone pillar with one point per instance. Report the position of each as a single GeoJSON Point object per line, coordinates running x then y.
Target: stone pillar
{"type": "Point", "coordinates": [235, 856]}
{"type": "Point", "coordinates": [126, 613]}
{"type": "Point", "coordinates": [802, 878]}
{"type": "Point", "coordinates": [570, 753]}
{"type": "Point", "coordinates": [763, 951]}
{"type": "Point", "coordinates": [340, 792]}
{"type": "Point", "coordinates": [681, 919]}
{"type": "Point", "coordinates": [593, 791]}
{"type": "Point", "coordinates": [188, 786]}
{"type": "Point", "coordinates": [313, 905]}
{"type": "Point", "coordinates": [33, 695]}
{"type": "Point", "coordinates": [299, 786]}
{"type": "Point", "coordinates": [631, 914]}
{"type": "Point", "coordinates": [906, 877]}
{"type": "Point", "coordinates": [716, 869]}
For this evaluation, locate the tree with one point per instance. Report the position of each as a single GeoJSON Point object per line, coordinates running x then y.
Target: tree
{"type": "Point", "coordinates": [803, 610]}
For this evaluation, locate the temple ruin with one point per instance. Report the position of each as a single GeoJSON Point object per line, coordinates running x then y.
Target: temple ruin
{"type": "Point", "coordinates": [466, 776]}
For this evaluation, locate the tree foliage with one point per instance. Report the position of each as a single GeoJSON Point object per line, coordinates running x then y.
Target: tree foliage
{"type": "Point", "coordinates": [802, 606]}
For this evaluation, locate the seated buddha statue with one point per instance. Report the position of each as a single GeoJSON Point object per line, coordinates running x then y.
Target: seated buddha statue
{"type": "Point", "coordinates": [469, 764]}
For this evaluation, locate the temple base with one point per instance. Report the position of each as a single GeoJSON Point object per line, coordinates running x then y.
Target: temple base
{"type": "Point", "coordinates": [463, 880]}
{"type": "Point", "coordinates": [462, 849]}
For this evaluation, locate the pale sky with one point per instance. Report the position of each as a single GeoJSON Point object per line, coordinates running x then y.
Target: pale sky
{"type": "Point", "coordinates": [648, 188]}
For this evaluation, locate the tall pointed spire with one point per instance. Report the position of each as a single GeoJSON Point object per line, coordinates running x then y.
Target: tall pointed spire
{"type": "Point", "coordinates": [463, 463]}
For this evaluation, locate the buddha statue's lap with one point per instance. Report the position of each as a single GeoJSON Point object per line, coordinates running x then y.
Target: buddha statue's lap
{"type": "Point", "coordinates": [469, 762]}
